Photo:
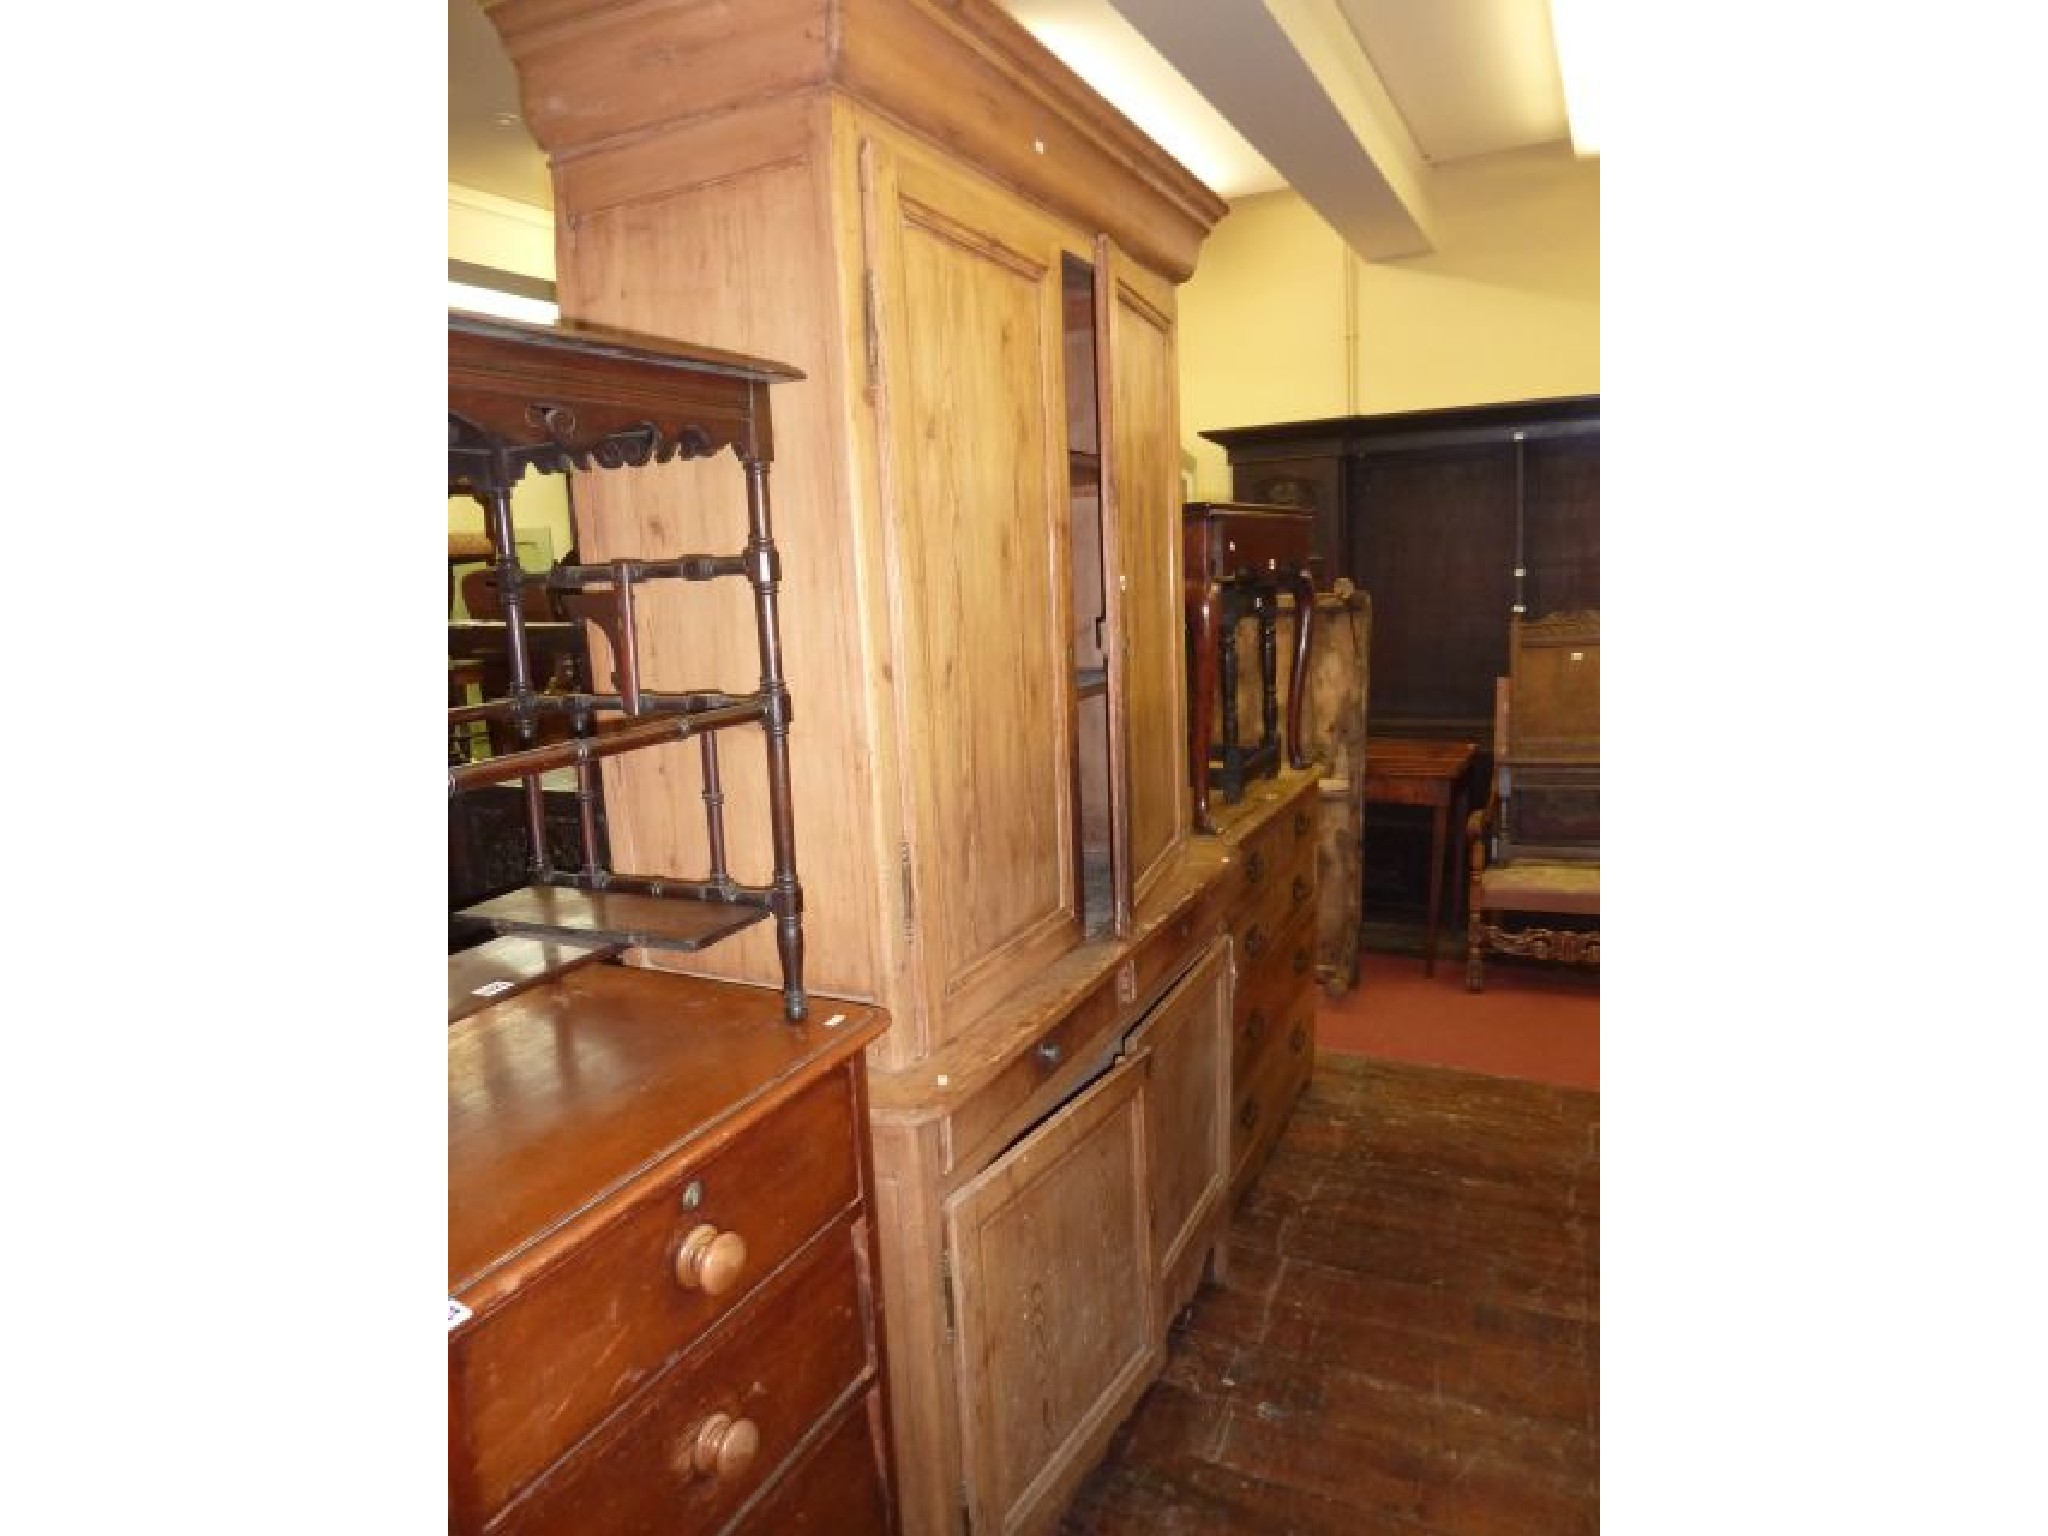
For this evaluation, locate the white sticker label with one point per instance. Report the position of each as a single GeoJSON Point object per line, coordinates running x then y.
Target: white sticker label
{"type": "Point", "coordinates": [491, 989]}
{"type": "Point", "coordinates": [458, 1314]}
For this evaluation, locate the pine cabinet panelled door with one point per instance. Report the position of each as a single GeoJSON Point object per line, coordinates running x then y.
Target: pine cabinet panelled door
{"type": "Point", "coordinates": [971, 343]}
{"type": "Point", "coordinates": [1056, 1332]}
{"type": "Point", "coordinates": [1145, 484]}
{"type": "Point", "coordinates": [1187, 1119]}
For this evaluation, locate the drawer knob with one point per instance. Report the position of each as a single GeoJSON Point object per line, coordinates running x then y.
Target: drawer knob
{"type": "Point", "coordinates": [710, 1260]}
{"type": "Point", "coordinates": [723, 1446]}
{"type": "Point", "coordinates": [1255, 1026]}
{"type": "Point", "coordinates": [1249, 1115]}
{"type": "Point", "coordinates": [1300, 889]}
{"type": "Point", "coordinates": [1255, 942]}
{"type": "Point", "coordinates": [1255, 867]}
{"type": "Point", "coordinates": [1298, 1039]}
{"type": "Point", "coordinates": [1301, 823]}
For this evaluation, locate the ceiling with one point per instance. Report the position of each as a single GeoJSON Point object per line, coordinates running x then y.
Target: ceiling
{"type": "Point", "coordinates": [1353, 104]}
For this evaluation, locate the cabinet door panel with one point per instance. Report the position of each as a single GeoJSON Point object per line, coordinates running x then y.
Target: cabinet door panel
{"type": "Point", "coordinates": [1056, 1329]}
{"type": "Point", "coordinates": [1187, 1117]}
{"type": "Point", "coordinates": [975, 480]}
{"type": "Point", "coordinates": [1145, 481]}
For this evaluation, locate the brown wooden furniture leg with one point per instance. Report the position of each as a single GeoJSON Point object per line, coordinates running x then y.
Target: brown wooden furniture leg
{"type": "Point", "coordinates": [1439, 815]}
{"type": "Point", "coordinates": [1475, 936]}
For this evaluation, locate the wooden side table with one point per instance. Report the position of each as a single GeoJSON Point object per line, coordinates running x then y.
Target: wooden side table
{"type": "Point", "coordinates": [1237, 558]}
{"type": "Point", "coordinates": [1431, 773]}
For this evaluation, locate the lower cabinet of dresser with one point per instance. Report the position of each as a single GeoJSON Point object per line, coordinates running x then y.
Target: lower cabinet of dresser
{"type": "Point", "coordinates": [714, 1430]}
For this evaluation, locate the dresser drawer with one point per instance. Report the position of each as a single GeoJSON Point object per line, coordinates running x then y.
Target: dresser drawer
{"type": "Point", "coordinates": [1260, 1103]}
{"type": "Point", "coordinates": [1286, 833]}
{"type": "Point", "coordinates": [1274, 994]}
{"type": "Point", "coordinates": [836, 1490]}
{"type": "Point", "coordinates": [1275, 874]}
{"type": "Point", "coordinates": [762, 1379]}
{"type": "Point", "coordinates": [532, 1375]}
{"type": "Point", "coordinates": [1015, 1095]}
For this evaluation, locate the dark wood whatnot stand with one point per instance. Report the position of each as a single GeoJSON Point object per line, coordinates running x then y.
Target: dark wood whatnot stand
{"type": "Point", "coordinates": [1431, 773]}
{"type": "Point", "coordinates": [1238, 558]}
{"type": "Point", "coordinates": [547, 399]}
{"type": "Point", "coordinates": [661, 1260]}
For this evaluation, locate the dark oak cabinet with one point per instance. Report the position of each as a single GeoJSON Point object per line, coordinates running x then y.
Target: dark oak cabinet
{"type": "Point", "coordinates": [1449, 519]}
{"type": "Point", "coordinates": [1432, 512]}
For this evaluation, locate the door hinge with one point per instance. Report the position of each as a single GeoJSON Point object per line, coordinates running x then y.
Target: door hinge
{"type": "Point", "coordinates": [871, 324]}
{"type": "Point", "coordinates": [946, 1289]}
{"type": "Point", "coordinates": [909, 892]}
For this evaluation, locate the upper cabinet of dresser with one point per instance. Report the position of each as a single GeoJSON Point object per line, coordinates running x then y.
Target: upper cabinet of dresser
{"type": "Point", "coordinates": [972, 259]}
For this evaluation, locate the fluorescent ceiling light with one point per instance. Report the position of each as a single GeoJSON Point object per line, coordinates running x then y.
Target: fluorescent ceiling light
{"type": "Point", "coordinates": [1113, 58]}
{"type": "Point", "coordinates": [1574, 33]}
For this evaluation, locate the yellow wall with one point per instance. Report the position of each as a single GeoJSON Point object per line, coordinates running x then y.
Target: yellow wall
{"type": "Point", "coordinates": [491, 231]}
{"type": "Point", "coordinates": [1509, 308]}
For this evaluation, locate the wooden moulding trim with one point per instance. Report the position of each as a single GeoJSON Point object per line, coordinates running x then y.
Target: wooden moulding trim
{"type": "Point", "coordinates": [689, 155]}
{"type": "Point", "coordinates": [592, 71]}
{"type": "Point", "coordinates": [600, 74]}
{"type": "Point", "coordinates": [969, 76]}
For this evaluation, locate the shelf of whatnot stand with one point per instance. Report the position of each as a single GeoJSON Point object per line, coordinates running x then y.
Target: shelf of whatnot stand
{"type": "Point", "coordinates": [555, 398]}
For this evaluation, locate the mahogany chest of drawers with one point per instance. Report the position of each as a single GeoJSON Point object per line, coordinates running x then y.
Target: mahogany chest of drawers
{"type": "Point", "coordinates": [661, 1263]}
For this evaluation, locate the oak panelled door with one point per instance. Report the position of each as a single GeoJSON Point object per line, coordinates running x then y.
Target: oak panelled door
{"type": "Point", "coordinates": [975, 483]}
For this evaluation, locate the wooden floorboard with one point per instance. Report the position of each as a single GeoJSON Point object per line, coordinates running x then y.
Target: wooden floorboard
{"type": "Point", "coordinates": [1407, 1338]}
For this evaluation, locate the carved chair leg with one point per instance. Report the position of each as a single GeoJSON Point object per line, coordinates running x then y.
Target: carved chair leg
{"type": "Point", "coordinates": [1475, 953]}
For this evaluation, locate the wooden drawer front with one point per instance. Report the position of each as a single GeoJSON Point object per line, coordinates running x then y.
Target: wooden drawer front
{"type": "Point", "coordinates": [1286, 832]}
{"type": "Point", "coordinates": [578, 1339]}
{"type": "Point", "coordinates": [837, 1489]}
{"type": "Point", "coordinates": [1261, 1102]}
{"type": "Point", "coordinates": [1275, 873]}
{"type": "Point", "coordinates": [1260, 544]}
{"type": "Point", "coordinates": [778, 1363]}
{"type": "Point", "coordinates": [1262, 933]}
{"type": "Point", "coordinates": [1274, 995]}
{"type": "Point", "coordinates": [1111, 1006]}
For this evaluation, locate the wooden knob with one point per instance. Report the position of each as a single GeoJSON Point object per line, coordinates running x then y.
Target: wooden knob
{"type": "Point", "coordinates": [710, 1260]}
{"type": "Point", "coordinates": [1301, 823]}
{"type": "Point", "coordinates": [1255, 1026]}
{"type": "Point", "coordinates": [1300, 889]}
{"type": "Point", "coordinates": [1255, 942]}
{"type": "Point", "coordinates": [1255, 868]}
{"type": "Point", "coordinates": [721, 1446]}
{"type": "Point", "coordinates": [1249, 1115]}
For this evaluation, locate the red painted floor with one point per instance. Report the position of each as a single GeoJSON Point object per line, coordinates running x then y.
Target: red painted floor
{"type": "Point", "coordinates": [1537, 1023]}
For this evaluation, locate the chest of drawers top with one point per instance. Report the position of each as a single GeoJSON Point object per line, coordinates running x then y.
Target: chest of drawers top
{"type": "Point", "coordinates": [563, 1098]}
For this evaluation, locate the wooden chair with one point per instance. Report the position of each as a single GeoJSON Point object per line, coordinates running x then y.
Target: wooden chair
{"type": "Point", "coordinates": [1535, 848]}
